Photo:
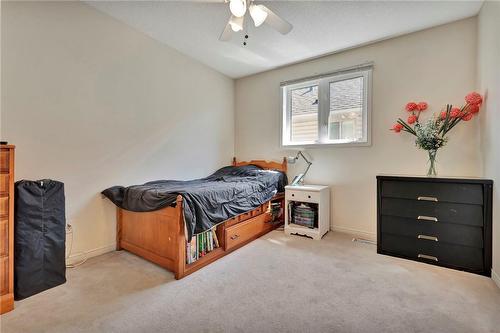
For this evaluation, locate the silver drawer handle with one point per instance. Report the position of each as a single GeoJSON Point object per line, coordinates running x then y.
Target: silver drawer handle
{"type": "Point", "coordinates": [234, 237]}
{"type": "Point", "coordinates": [425, 256]}
{"type": "Point", "coordinates": [427, 218]}
{"type": "Point", "coordinates": [432, 238]}
{"type": "Point", "coordinates": [428, 199]}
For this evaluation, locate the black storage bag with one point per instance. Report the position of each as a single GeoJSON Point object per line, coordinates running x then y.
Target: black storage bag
{"type": "Point", "coordinates": [39, 237]}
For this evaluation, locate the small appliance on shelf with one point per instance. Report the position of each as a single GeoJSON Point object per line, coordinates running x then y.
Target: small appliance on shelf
{"type": "Point", "coordinates": [307, 210]}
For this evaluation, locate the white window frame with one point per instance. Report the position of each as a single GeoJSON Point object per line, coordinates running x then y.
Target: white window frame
{"type": "Point", "coordinates": [323, 83]}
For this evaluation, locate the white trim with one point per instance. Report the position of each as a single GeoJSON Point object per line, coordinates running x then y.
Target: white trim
{"type": "Point", "coordinates": [91, 253]}
{"type": "Point", "coordinates": [358, 233]}
{"type": "Point", "coordinates": [355, 68]}
{"type": "Point", "coordinates": [495, 277]}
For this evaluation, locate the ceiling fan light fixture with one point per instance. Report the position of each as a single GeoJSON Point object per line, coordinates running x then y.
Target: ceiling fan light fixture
{"type": "Point", "coordinates": [238, 7]}
{"type": "Point", "coordinates": [236, 23]}
{"type": "Point", "coordinates": [258, 14]}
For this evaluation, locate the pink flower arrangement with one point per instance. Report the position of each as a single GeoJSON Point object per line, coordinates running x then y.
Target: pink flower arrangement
{"type": "Point", "coordinates": [431, 135]}
{"type": "Point", "coordinates": [446, 120]}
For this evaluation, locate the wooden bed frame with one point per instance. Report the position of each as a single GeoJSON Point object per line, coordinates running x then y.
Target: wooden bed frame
{"type": "Point", "coordinates": [159, 236]}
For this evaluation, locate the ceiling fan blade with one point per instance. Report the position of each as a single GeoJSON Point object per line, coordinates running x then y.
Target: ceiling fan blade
{"type": "Point", "coordinates": [227, 32]}
{"type": "Point", "coordinates": [276, 22]}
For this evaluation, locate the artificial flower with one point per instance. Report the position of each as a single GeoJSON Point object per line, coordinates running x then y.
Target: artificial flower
{"type": "Point", "coordinates": [474, 98]}
{"type": "Point", "coordinates": [411, 106]}
{"type": "Point", "coordinates": [397, 127]}
{"type": "Point", "coordinates": [455, 113]}
{"type": "Point", "coordinates": [422, 106]}
{"type": "Point", "coordinates": [412, 119]}
{"type": "Point", "coordinates": [467, 116]}
{"type": "Point", "coordinates": [473, 108]}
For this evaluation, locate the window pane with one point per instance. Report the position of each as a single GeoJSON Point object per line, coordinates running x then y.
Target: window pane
{"type": "Point", "coordinates": [304, 114]}
{"type": "Point", "coordinates": [334, 130]}
{"type": "Point", "coordinates": [346, 109]}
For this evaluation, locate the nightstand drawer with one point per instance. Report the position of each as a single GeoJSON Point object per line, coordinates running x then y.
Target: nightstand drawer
{"type": "Point", "coordinates": [433, 191]}
{"type": "Point", "coordinates": [456, 256]}
{"type": "Point", "coordinates": [444, 232]}
{"type": "Point", "coordinates": [4, 206]}
{"type": "Point", "coordinates": [4, 275]}
{"type": "Point", "coordinates": [4, 237]}
{"type": "Point", "coordinates": [297, 195]}
{"type": "Point", "coordinates": [4, 183]}
{"type": "Point", "coordinates": [4, 160]}
{"type": "Point", "coordinates": [437, 211]}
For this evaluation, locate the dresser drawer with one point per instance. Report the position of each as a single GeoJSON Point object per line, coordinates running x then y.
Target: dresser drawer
{"type": "Point", "coordinates": [4, 206]}
{"type": "Point", "coordinates": [4, 160]}
{"type": "Point", "coordinates": [455, 256]}
{"type": "Point", "coordinates": [440, 211]}
{"type": "Point", "coordinates": [432, 191]}
{"type": "Point", "coordinates": [458, 234]}
{"type": "Point", "coordinates": [297, 195]}
{"type": "Point", "coordinates": [4, 183]}
{"type": "Point", "coordinates": [244, 231]}
{"type": "Point", "coordinates": [4, 275]}
{"type": "Point", "coordinates": [4, 237]}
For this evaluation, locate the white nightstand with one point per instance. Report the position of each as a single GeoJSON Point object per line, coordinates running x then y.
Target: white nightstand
{"type": "Point", "coordinates": [316, 194]}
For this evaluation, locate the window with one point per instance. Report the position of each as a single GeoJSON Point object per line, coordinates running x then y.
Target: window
{"type": "Point", "coordinates": [330, 109]}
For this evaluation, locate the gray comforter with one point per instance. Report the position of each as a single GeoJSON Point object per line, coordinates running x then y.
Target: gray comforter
{"type": "Point", "coordinates": [207, 201]}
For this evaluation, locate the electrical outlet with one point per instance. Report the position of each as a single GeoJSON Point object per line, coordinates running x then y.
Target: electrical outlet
{"type": "Point", "coordinates": [69, 228]}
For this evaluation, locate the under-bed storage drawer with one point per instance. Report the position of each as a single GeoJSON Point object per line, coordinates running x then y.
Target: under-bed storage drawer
{"type": "Point", "coordinates": [245, 231]}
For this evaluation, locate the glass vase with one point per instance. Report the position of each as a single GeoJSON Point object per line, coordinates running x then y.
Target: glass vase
{"type": "Point", "coordinates": [432, 163]}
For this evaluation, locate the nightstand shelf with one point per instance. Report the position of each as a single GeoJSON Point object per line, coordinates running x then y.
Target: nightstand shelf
{"type": "Point", "coordinates": [315, 196]}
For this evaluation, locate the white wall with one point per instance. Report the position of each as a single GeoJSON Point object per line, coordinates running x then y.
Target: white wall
{"type": "Point", "coordinates": [489, 84]}
{"type": "Point", "coordinates": [435, 65]}
{"type": "Point", "coordinates": [91, 102]}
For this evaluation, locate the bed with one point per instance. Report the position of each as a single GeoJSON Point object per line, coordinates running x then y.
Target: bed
{"type": "Point", "coordinates": [153, 224]}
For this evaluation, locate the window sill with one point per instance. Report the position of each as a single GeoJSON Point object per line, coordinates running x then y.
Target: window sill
{"type": "Point", "coordinates": [327, 145]}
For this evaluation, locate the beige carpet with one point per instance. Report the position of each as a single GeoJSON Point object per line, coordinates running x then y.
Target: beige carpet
{"type": "Point", "coordinates": [275, 284]}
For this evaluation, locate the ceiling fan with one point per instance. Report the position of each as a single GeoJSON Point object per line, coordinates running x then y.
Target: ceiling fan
{"type": "Point", "coordinates": [259, 14]}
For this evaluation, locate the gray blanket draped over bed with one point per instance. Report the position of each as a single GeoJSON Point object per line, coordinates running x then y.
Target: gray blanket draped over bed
{"type": "Point", "coordinates": [208, 201]}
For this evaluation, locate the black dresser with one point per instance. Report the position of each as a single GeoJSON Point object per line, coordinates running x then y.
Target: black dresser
{"type": "Point", "coordinates": [440, 221]}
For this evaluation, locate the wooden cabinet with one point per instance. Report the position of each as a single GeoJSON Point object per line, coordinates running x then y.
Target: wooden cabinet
{"type": "Point", "coordinates": [6, 228]}
{"type": "Point", "coordinates": [440, 221]}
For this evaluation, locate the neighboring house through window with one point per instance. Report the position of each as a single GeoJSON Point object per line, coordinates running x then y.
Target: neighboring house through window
{"type": "Point", "coordinates": [328, 109]}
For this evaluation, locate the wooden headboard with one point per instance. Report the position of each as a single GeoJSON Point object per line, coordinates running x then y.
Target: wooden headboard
{"type": "Point", "coordinates": [264, 164]}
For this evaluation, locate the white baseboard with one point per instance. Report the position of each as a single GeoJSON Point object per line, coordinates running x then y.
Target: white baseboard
{"type": "Point", "coordinates": [371, 236]}
{"type": "Point", "coordinates": [91, 253]}
{"type": "Point", "coordinates": [496, 277]}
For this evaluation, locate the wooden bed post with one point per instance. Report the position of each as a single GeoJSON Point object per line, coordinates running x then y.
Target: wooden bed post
{"type": "Point", "coordinates": [284, 165]}
{"type": "Point", "coordinates": [119, 220]}
{"type": "Point", "coordinates": [180, 260]}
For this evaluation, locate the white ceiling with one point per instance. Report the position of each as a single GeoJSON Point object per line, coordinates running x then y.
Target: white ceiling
{"type": "Point", "coordinates": [320, 27]}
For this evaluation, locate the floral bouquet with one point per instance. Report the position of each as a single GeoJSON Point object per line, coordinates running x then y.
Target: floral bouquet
{"type": "Point", "coordinates": [431, 134]}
